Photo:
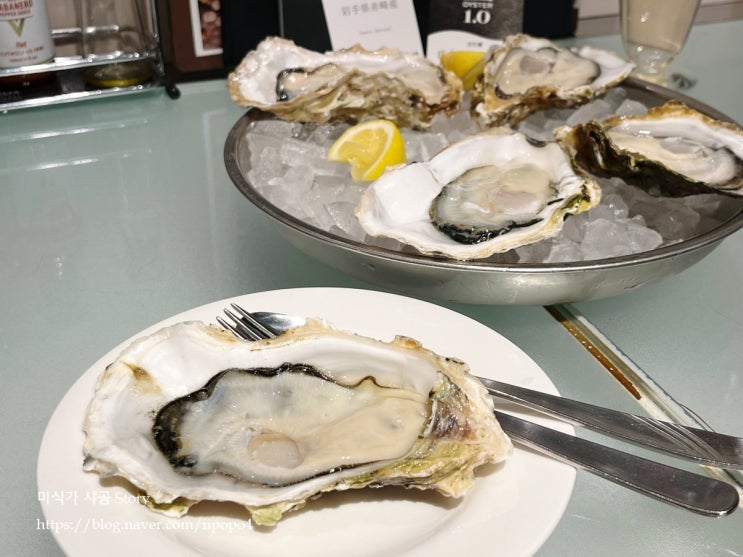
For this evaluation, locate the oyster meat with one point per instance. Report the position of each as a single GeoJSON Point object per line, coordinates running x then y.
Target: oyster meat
{"type": "Point", "coordinates": [673, 150]}
{"type": "Point", "coordinates": [488, 193]}
{"type": "Point", "coordinates": [526, 74]}
{"type": "Point", "coordinates": [347, 85]}
{"type": "Point", "coordinates": [190, 413]}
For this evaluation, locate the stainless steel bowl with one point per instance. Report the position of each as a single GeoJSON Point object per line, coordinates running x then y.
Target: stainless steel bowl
{"type": "Point", "coordinates": [484, 282]}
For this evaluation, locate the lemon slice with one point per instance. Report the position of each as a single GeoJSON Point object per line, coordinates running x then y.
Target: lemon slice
{"type": "Point", "coordinates": [466, 64]}
{"type": "Point", "coordinates": [469, 78]}
{"type": "Point", "coordinates": [369, 148]}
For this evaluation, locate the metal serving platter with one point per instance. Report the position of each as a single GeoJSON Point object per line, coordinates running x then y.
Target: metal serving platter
{"type": "Point", "coordinates": [485, 282]}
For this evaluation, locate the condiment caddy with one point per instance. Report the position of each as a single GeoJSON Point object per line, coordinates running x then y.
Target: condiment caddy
{"type": "Point", "coordinates": [99, 48]}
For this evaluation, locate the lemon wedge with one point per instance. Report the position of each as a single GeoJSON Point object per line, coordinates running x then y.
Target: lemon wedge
{"type": "Point", "coordinates": [466, 64]}
{"type": "Point", "coordinates": [369, 148]}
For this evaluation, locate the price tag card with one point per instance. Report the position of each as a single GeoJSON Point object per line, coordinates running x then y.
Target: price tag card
{"type": "Point", "coordinates": [373, 24]}
{"type": "Point", "coordinates": [471, 24]}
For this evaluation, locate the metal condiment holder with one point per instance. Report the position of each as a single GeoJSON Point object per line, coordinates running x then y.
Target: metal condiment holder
{"type": "Point", "coordinates": [73, 76]}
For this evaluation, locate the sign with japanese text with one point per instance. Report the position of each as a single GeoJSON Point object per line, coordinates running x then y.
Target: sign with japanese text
{"type": "Point", "coordinates": [373, 24]}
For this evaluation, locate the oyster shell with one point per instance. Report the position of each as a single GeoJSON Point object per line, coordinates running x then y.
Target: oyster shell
{"type": "Point", "coordinates": [347, 85]}
{"type": "Point", "coordinates": [673, 151]}
{"type": "Point", "coordinates": [526, 74]}
{"type": "Point", "coordinates": [190, 413]}
{"type": "Point", "coordinates": [488, 193]}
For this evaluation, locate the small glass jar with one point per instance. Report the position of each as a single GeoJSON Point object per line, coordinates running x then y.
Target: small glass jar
{"type": "Point", "coordinates": [116, 32]}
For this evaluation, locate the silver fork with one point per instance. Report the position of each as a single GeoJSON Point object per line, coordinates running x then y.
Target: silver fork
{"type": "Point", "coordinates": [698, 445]}
{"type": "Point", "coordinates": [694, 492]}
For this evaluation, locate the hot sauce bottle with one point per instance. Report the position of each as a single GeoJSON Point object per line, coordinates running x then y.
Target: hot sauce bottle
{"type": "Point", "coordinates": [25, 39]}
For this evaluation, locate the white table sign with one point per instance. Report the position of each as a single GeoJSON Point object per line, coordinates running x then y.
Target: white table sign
{"type": "Point", "coordinates": [373, 24]}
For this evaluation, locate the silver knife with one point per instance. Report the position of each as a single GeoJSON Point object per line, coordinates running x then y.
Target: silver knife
{"type": "Point", "coordinates": [698, 445]}
{"type": "Point", "coordinates": [694, 492]}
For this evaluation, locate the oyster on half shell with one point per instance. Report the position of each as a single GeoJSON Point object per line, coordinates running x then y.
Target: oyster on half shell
{"type": "Point", "coordinates": [673, 151]}
{"type": "Point", "coordinates": [190, 413]}
{"type": "Point", "coordinates": [347, 85]}
{"type": "Point", "coordinates": [526, 74]}
{"type": "Point", "coordinates": [487, 193]}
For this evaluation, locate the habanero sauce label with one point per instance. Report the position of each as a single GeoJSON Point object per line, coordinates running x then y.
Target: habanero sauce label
{"type": "Point", "coordinates": [471, 24]}
{"type": "Point", "coordinates": [25, 36]}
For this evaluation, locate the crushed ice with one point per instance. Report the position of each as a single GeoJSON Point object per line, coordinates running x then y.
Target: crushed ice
{"type": "Point", "coordinates": [288, 167]}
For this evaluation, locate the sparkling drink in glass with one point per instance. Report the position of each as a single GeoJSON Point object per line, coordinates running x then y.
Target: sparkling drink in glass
{"type": "Point", "coordinates": [654, 32]}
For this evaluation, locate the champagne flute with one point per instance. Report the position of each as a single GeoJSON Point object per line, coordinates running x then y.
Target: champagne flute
{"type": "Point", "coordinates": [653, 33]}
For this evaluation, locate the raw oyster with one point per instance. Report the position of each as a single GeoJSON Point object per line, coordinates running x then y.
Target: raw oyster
{"type": "Point", "coordinates": [190, 413]}
{"type": "Point", "coordinates": [347, 85]}
{"type": "Point", "coordinates": [527, 74]}
{"type": "Point", "coordinates": [488, 193]}
{"type": "Point", "coordinates": [673, 151]}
